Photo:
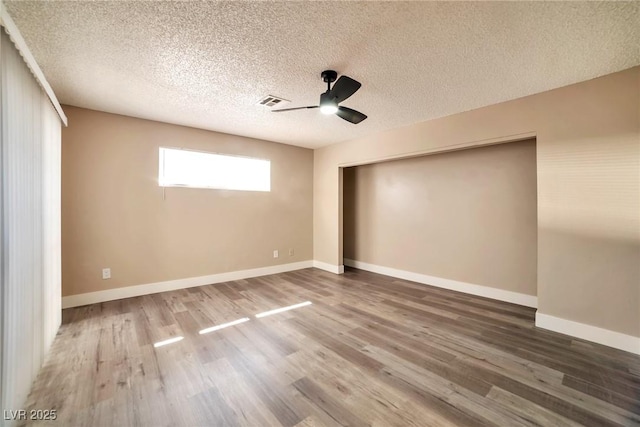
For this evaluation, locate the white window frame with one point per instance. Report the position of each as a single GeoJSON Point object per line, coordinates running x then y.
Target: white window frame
{"type": "Point", "coordinates": [162, 182]}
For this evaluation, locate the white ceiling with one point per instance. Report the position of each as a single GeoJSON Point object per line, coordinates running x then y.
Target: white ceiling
{"type": "Point", "coordinates": [206, 64]}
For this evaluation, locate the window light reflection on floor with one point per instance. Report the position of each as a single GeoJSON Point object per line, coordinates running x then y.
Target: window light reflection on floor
{"type": "Point", "coordinates": [224, 325]}
{"type": "Point", "coordinates": [280, 310]}
{"type": "Point", "coordinates": [169, 341]}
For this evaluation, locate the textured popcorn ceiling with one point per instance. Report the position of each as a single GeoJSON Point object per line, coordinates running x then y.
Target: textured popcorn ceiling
{"type": "Point", "coordinates": [206, 64]}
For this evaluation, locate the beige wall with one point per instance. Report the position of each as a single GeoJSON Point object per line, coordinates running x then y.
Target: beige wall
{"type": "Point", "coordinates": [468, 215]}
{"type": "Point", "coordinates": [114, 214]}
{"type": "Point", "coordinates": [588, 166]}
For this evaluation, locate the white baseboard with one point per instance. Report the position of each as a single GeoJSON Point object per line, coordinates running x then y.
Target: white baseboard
{"type": "Point", "coordinates": [336, 269]}
{"type": "Point", "coordinates": [153, 288]}
{"type": "Point", "coordinates": [454, 285]}
{"type": "Point", "coordinates": [590, 333]}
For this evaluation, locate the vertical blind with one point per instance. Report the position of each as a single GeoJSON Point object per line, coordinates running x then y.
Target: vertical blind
{"type": "Point", "coordinates": [30, 294]}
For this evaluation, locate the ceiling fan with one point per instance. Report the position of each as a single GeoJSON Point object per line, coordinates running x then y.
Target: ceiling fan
{"type": "Point", "coordinates": [329, 100]}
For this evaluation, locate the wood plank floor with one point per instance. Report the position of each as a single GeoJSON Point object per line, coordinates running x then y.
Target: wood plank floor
{"type": "Point", "coordinates": [369, 350]}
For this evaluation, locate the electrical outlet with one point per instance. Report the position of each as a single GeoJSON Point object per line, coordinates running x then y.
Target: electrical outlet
{"type": "Point", "coordinates": [276, 254]}
{"type": "Point", "coordinates": [106, 273]}
{"type": "Point", "coordinates": [291, 252]}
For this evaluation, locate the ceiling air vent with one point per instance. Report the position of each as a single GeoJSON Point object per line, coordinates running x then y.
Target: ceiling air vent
{"type": "Point", "coordinates": [271, 101]}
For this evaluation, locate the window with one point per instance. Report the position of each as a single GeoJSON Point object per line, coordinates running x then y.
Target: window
{"type": "Point", "coordinates": [187, 168]}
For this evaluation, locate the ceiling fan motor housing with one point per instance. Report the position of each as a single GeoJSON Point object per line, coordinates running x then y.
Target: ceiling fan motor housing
{"type": "Point", "coordinates": [327, 100]}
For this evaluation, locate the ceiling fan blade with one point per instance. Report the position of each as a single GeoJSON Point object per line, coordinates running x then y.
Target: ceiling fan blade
{"type": "Point", "coordinates": [350, 115]}
{"type": "Point", "coordinates": [295, 108]}
{"type": "Point", "coordinates": [344, 88]}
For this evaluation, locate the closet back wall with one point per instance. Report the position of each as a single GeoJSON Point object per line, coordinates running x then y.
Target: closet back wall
{"type": "Point", "coordinates": [467, 215]}
{"type": "Point", "coordinates": [114, 214]}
